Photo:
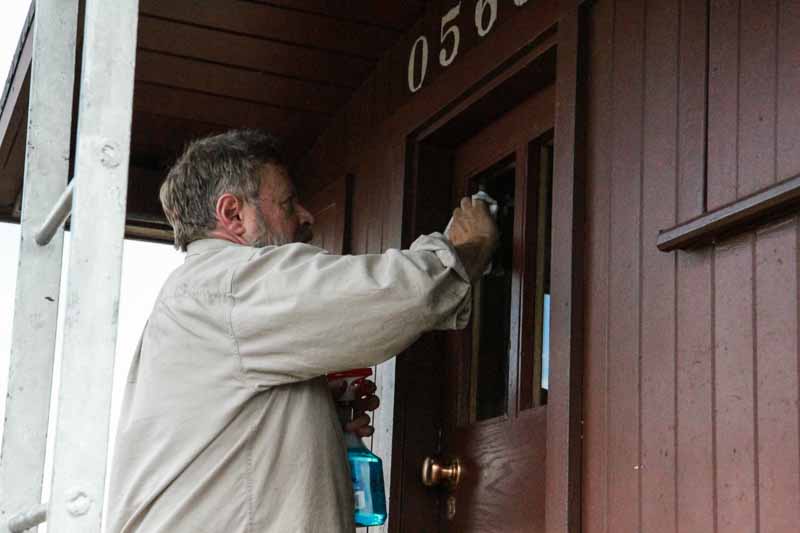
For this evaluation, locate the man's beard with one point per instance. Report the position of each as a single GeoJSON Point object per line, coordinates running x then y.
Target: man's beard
{"type": "Point", "coordinates": [266, 237]}
{"type": "Point", "coordinates": [304, 233]}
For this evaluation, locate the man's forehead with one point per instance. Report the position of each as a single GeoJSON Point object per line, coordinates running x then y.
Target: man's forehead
{"type": "Point", "coordinates": [276, 179]}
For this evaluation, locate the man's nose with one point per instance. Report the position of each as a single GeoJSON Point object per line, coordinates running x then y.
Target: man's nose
{"type": "Point", "coordinates": [306, 217]}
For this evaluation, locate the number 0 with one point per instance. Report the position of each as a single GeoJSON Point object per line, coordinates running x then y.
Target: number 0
{"type": "Point", "coordinates": [480, 7]}
{"type": "Point", "coordinates": [412, 85]}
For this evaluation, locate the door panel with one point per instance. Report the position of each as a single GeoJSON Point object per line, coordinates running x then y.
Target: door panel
{"type": "Point", "coordinates": [503, 487]}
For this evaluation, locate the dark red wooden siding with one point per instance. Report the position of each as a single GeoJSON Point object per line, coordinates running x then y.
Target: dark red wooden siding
{"type": "Point", "coordinates": [691, 376]}
{"type": "Point", "coordinates": [691, 383]}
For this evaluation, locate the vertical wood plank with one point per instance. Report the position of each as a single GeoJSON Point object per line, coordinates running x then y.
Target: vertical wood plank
{"type": "Point", "coordinates": [693, 301]}
{"type": "Point", "coordinates": [757, 85]}
{"type": "Point", "coordinates": [734, 394]}
{"type": "Point", "coordinates": [383, 75]}
{"type": "Point", "coordinates": [393, 171]}
{"type": "Point", "coordinates": [359, 119]}
{"type": "Point", "coordinates": [395, 175]}
{"type": "Point", "coordinates": [624, 279]}
{"type": "Point", "coordinates": [563, 462]}
{"type": "Point", "coordinates": [374, 229]}
{"type": "Point", "coordinates": [692, 80]}
{"type": "Point", "coordinates": [788, 141]}
{"type": "Point", "coordinates": [598, 164]}
{"type": "Point", "coordinates": [777, 383]}
{"type": "Point", "coordinates": [372, 212]}
{"type": "Point", "coordinates": [723, 102]}
{"type": "Point", "coordinates": [376, 211]}
{"type": "Point", "coordinates": [659, 192]}
{"type": "Point", "coordinates": [360, 215]}
{"type": "Point", "coordinates": [695, 427]}
{"type": "Point", "coordinates": [385, 374]}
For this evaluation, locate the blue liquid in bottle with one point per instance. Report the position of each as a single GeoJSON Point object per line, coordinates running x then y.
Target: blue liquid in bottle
{"type": "Point", "coordinates": [366, 470]}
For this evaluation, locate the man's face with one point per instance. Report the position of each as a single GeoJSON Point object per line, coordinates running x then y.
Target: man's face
{"type": "Point", "coordinates": [278, 218]}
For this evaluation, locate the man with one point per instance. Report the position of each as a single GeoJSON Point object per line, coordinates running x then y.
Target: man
{"type": "Point", "coordinates": [228, 425]}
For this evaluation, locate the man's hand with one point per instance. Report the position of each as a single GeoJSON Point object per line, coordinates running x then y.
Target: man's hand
{"type": "Point", "coordinates": [473, 233]}
{"type": "Point", "coordinates": [365, 400]}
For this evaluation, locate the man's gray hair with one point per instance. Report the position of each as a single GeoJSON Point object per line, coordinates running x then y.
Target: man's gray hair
{"type": "Point", "coordinates": [209, 167]}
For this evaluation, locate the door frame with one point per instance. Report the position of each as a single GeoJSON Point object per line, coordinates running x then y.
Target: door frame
{"type": "Point", "coordinates": [415, 370]}
{"type": "Point", "coordinates": [565, 403]}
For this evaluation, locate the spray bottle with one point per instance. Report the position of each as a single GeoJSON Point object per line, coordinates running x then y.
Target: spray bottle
{"type": "Point", "coordinates": [366, 468]}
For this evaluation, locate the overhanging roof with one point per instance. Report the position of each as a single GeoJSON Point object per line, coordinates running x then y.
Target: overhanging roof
{"type": "Point", "coordinates": [207, 66]}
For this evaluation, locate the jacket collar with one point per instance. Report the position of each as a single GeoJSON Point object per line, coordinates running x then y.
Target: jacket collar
{"type": "Point", "coordinates": [207, 245]}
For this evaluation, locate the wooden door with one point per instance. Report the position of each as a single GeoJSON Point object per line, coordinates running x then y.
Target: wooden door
{"type": "Point", "coordinates": [495, 418]}
{"type": "Point", "coordinates": [490, 413]}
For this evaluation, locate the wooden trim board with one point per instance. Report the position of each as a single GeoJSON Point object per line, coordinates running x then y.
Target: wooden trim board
{"type": "Point", "coordinates": [732, 218]}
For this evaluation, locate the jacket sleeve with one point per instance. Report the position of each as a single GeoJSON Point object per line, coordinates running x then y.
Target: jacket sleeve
{"type": "Point", "coordinates": [299, 312]}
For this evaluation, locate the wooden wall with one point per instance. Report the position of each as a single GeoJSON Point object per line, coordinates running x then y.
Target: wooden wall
{"type": "Point", "coordinates": [691, 377]}
{"type": "Point", "coordinates": [691, 368]}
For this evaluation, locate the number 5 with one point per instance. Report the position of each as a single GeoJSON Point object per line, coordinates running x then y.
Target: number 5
{"type": "Point", "coordinates": [445, 59]}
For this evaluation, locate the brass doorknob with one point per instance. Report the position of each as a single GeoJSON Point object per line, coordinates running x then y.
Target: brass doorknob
{"type": "Point", "coordinates": [435, 473]}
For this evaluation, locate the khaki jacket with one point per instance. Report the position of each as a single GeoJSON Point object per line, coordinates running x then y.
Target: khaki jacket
{"type": "Point", "coordinates": [227, 425]}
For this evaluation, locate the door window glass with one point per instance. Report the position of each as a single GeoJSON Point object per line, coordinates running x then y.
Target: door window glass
{"type": "Point", "coordinates": [491, 333]}
{"type": "Point", "coordinates": [541, 302]}
{"type": "Point", "coordinates": [510, 332]}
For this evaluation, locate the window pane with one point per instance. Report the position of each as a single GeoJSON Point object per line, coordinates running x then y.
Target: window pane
{"type": "Point", "coordinates": [546, 344]}
{"type": "Point", "coordinates": [541, 333]}
{"type": "Point", "coordinates": [492, 327]}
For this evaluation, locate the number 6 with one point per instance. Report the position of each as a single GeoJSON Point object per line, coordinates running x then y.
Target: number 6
{"type": "Point", "coordinates": [444, 59]}
{"type": "Point", "coordinates": [480, 7]}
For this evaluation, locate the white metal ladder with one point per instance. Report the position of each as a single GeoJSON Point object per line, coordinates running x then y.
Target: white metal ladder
{"type": "Point", "coordinates": [96, 197]}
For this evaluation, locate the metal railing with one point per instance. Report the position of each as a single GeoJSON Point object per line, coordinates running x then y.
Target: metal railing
{"type": "Point", "coordinates": [96, 201]}
{"type": "Point", "coordinates": [28, 520]}
{"type": "Point", "coordinates": [57, 217]}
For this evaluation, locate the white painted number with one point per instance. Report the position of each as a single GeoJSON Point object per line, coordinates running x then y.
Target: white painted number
{"type": "Point", "coordinates": [413, 85]}
{"type": "Point", "coordinates": [480, 8]}
{"type": "Point", "coordinates": [450, 39]}
{"type": "Point", "coordinates": [444, 58]}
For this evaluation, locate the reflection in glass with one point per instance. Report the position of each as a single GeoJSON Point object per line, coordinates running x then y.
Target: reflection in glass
{"type": "Point", "coordinates": [541, 333]}
{"type": "Point", "coordinates": [546, 344]}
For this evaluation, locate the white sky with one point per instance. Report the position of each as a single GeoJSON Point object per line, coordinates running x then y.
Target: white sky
{"type": "Point", "coordinates": [144, 269]}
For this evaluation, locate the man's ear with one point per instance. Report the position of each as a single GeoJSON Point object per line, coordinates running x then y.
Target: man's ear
{"type": "Point", "coordinates": [229, 214]}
